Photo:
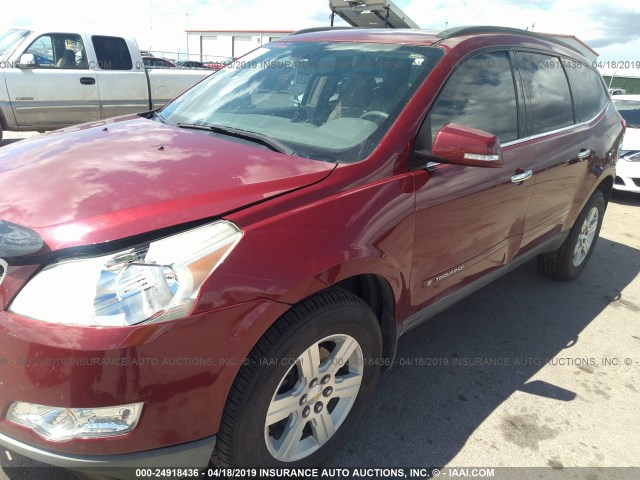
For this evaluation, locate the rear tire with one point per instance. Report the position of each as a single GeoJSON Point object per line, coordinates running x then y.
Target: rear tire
{"type": "Point", "coordinates": [570, 259]}
{"type": "Point", "coordinates": [308, 380]}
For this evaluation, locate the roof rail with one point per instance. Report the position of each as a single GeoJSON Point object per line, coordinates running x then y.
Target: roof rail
{"type": "Point", "coordinates": [459, 31]}
{"type": "Point", "coordinates": [319, 29]}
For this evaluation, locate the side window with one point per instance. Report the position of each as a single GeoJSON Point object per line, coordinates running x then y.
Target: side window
{"type": "Point", "coordinates": [59, 50]}
{"type": "Point", "coordinates": [480, 94]}
{"type": "Point", "coordinates": [548, 91]}
{"type": "Point", "coordinates": [112, 53]}
{"type": "Point", "coordinates": [588, 91]}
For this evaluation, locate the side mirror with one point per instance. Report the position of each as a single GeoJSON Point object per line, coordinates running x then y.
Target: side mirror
{"type": "Point", "coordinates": [27, 60]}
{"type": "Point", "coordinates": [462, 145]}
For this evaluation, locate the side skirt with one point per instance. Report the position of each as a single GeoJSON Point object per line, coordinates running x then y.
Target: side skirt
{"type": "Point", "coordinates": [432, 310]}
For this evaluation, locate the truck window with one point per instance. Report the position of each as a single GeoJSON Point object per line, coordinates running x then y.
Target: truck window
{"type": "Point", "coordinates": [59, 50]}
{"type": "Point", "coordinates": [112, 53]}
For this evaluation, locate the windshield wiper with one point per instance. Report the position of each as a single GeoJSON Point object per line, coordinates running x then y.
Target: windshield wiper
{"type": "Point", "coordinates": [273, 144]}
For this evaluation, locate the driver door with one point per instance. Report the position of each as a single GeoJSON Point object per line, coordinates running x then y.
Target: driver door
{"type": "Point", "coordinates": [470, 220]}
{"type": "Point", "coordinates": [60, 89]}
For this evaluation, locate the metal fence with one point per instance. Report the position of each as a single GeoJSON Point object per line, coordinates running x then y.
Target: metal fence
{"type": "Point", "coordinates": [183, 56]}
{"type": "Point", "coordinates": [630, 84]}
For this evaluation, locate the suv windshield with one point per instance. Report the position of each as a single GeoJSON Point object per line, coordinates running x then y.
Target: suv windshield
{"type": "Point", "coordinates": [630, 111]}
{"type": "Point", "coordinates": [327, 101]}
{"type": "Point", "coordinates": [9, 40]}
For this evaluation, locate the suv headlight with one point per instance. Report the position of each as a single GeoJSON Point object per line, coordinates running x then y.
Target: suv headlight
{"type": "Point", "coordinates": [632, 157]}
{"type": "Point", "coordinates": [156, 281]}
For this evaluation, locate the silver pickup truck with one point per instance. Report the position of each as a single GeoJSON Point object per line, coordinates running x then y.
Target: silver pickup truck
{"type": "Point", "coordinates": [51, 79]}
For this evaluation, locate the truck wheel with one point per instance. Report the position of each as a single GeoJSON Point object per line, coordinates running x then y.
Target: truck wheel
{"type": "Point", "coordinates": [569, 260]}
{"type": "Point", "coordinates": [304, 387]}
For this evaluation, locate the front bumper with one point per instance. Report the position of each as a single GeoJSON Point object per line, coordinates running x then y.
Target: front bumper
{"type": "Point", "coordinates": [193, 455]}
{"type": "Point", "coordinates": [627, 184]}
{"type": "Point", "coordinates": [627, 176]}
{"type": "Point", "coordinates": [180, 370]}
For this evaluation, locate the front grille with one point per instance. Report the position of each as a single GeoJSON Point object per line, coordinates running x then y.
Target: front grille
{"type": "Point", "coordinates": [636, 181]}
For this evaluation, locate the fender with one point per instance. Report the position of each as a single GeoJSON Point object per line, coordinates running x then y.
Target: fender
{"type": "Point", "coordinates": [601, 168]}
{"type": "Point", "coordinates": [366, 230]}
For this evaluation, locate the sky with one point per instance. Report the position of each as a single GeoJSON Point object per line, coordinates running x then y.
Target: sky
{"type": "Point", "coordinates": [610, 27]}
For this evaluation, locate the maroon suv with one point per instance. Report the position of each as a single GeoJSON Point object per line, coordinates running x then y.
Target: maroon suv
{"type": "Point", "coordinates": [227, 275]}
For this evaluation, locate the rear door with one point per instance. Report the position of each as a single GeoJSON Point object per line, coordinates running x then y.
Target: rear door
{"type": "Point", "coordinates": [123, 82]}
{"type": "Point", "coordinates": [470, 220]}
{"type": "Point", "coordinates": [61, 89]}
{"type": "Point", "coordinates": [561, 139]}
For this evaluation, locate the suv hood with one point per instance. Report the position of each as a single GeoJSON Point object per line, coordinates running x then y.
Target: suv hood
{"type": "Point", "coordinates": [110, 180]}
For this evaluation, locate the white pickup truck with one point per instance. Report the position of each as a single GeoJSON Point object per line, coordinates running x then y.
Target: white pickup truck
{"type": "Point", "coordinates": [51, 79]}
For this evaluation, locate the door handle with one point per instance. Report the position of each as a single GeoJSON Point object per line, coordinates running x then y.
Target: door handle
{"type": "Point", "coordinates": [521, 177]}
{"type": "Point", "coordinates": [584, 153]}
{"type": "Point", "coordinates": [87, 80]}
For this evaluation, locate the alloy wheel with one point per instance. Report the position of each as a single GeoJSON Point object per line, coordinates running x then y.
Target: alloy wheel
{"type": "Point", "coordinates": [585, 237]}
{"type": "Point", "coordinates": [314, 398]}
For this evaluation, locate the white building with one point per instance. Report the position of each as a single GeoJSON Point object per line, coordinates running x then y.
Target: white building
{"type": "Point", "coordinates": [207, 45]}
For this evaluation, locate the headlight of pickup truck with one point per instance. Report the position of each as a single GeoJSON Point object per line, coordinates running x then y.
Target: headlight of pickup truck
{"type": "Point", "coordinates": [156, 281]}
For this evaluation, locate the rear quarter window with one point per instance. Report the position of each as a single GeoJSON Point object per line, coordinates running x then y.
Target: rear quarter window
{"type": "Point", "coordinates": [589, 94]}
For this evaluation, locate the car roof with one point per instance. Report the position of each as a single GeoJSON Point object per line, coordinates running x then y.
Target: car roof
{"type": "Point", "coordinates": [447, 39]}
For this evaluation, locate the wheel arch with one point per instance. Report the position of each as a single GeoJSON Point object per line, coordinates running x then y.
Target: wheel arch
{"type": "Point", "coordinates": [603, 184]}
{"type": "Point", "coordinates": [377, 293]}
{"type": "Point", "coordinates": [4, 122]}
{"type": "Point", "coordinates": [606, 187]}
{"type": "Point", "coordinates": [380, 284]}
{"type": "Point", "coordinates": [291, 326]}
{"type": "Point", "coordinates": [382, 291]}
{"type": "Point", "coordinates": [375, 290]}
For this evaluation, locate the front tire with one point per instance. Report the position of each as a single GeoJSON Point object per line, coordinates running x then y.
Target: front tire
{"type": "Point", "coordinates": [570, 259]}
{"type": "Point", "coordinates": [308, 380]}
